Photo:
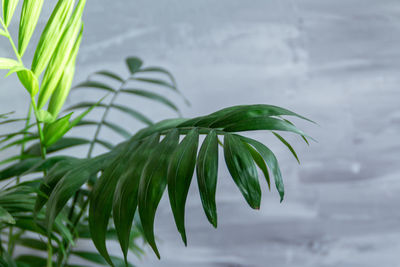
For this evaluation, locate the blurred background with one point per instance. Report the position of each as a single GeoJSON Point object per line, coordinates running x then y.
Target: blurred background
{"type": "Point", "coordinates": [336, 62]}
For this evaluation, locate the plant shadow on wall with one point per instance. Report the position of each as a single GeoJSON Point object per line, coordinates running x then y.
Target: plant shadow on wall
{"type": "Point", "coordinates": [49, 202]}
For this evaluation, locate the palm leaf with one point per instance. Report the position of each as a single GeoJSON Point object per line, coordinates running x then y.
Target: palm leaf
{"type": "Point", "coordinates": [51, 35]}
{"type": "Point", "coordinates": [138, 171]}
{"type": "Point", "coordinates": [29, 17]}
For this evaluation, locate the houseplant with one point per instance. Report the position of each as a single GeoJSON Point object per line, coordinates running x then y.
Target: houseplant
{"type": "Point", "coordinates": [63, 198]}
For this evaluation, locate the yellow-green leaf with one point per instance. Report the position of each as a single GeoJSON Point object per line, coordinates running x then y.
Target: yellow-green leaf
{"type": "Point", "coordinates": [52, 34]}
{"type": "Point", "coordinates": [45, 116]}
{"type": "Point", "coordinates": [29, 81]}
{"type": "Point", "coordinates": [9, 7]}
{"type": "Point", "coordinates": [7, 63]}
{"type": "Point", "coordinates": [61, 56]}
{"type": "Point", "coordinates": [15, 69]}
{"type": "Point", "coordinates": [64, 85]}
{"type": "Point", "coordinates": [29, 17]}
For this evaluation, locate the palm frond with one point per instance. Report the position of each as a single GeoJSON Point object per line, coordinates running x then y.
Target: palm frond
{"type": "Point", "coordinates": [137, 172]}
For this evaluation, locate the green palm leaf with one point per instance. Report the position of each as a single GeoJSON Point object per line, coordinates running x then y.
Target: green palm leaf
{"type": "Point", "coordinates": [153, 183]}
{"type": "Point", "coordinates": [180, 172]}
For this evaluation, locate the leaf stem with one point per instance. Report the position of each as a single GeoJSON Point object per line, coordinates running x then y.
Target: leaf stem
{"type": "Point", "coordinates": [43, 154]}
{"type": "Point", "coordinates": [28, 119]}
{"type": "Point", "coordinates": [10, 241]}
{"type": "Point", "coordinates": [49, 252]}
{"type": "Point", "coordinates": [103, 118]}
{"type": "Point", "coordinates": [11, 41]}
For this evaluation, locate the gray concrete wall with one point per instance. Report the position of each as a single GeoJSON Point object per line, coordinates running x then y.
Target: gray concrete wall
{"type": "Point", "coordinates": [336, 62]}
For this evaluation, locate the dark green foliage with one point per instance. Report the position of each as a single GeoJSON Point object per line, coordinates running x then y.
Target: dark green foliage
{"type": "Point", "coordinates": [138, 171]}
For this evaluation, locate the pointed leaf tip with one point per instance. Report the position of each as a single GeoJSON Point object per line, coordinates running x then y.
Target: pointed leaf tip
{"type": "Point", "coordinates": [134, 64]}
{"type": "Point", "coordinates": [207, 172]}
{"type": "Point", "coordinates": [180, 173]}
{"type": "Point", "coordinates": [242, 169]}
{"type": "Point", "coordinates": [153, 183]}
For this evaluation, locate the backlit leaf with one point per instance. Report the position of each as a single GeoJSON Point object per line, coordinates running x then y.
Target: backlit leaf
{"type": "Point", "coordinates": [64, 85]}
{"type": "Point", "coordinates": [29, 81]}
{"type": "Point", "coordinates": [8, 63]}
{"type": "Point", "coordinates": [62, 55]}
{"type": "Point", "coordinates": [51, 34]}
{"type": "Point", "coordinates": [29, 17]}
{"type": "Point", "coordinates": [9, 7]}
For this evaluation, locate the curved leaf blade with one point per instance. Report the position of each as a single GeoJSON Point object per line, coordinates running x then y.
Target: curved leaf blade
{"type": "Point", "coordinates": [127, 110]}
{"type": "Point", "coordinates": [96, 85]}
{"type": "Point", "coordinates": [109, 74]}
{"type": "Point", "coordinates": [180, 173]}
{"type": "Point", "coordinates": [9, 7]}
{"type": "Point", "coordinates": [207, 173]}
{"type": "Point", "coordinates": [63, 87]}
{"type": "Point", "coordinates": [242, 169]}
{"type": "Point", "coordinates": [63, 143]}
{"type": "Point", "coordinates": [160, 70]}
{"type": "Point", "coordinates": [30, 14]}
{"type": "Point", "coordinates": [8, 63]}
{"type": "Point", "coordinates": [126, 192]}
{"type": "Point", "coordinates": [54, 131]}
{"type": "Point", "coordinates": [62, 54]}
{"type": "Point", "coordinates": [258, 159]}
{"type": "Point", "coordinates": [69, 184]}
{"type": "Point", "coordinates": [118, 129]}
{"type": "Point", "coordinates": [51, 35]}
{"type": "Point", "coordinates": [18, 168]}
{"type": "Point", "coordinates": [133, 113]}
{"type": "Point", "coordinates": [271, 161]}
{"type": "Point", "coordinates": [156, 82]}
{"type": "Point", "coordinates": [286, 143]}
{"type": "Point", "coordinates": [247, 112]}
{"type": "Point", "coordinates": [101, 200]}
{"type": "Point", "coordinates": [262, 123]}
{"type": "Point", "coordinates": [115, 127]}
{"type": "Point", "coordinates": [51, 180]}
{"type": "Point", "coordinates": [29, 81]}
{"type": "Point", "coordinates": [153, 96]}
{"type": "Point", "coordinates": [153, 183]}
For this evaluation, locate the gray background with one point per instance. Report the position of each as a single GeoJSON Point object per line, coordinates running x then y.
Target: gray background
{"type": "Point", "coordinates": [336, 62]}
